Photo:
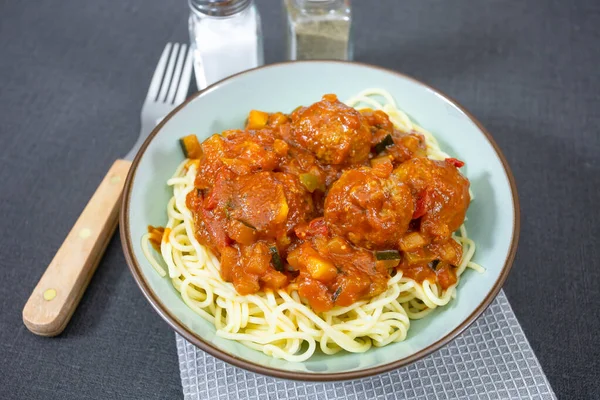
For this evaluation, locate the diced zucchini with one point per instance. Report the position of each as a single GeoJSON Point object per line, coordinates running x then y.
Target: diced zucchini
{"type": "Point", "coordinates": [387, 255]}
{"type": "Point", "coordinates": [276, 258]}
{"type": "Point", "coordinates": [336, 294]}
{"type": "Point", "coordinates": [420, 256]}
{"type": "Point", "coordinates": [311, 182]}
{"type": "Point", "coordinates": [381, 146]}
{"type": "Point", "coordinates": [191, 146]}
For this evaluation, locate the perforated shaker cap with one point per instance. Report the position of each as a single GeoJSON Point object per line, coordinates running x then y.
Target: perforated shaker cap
{"type": "Point", "coordinates": [219, 8]}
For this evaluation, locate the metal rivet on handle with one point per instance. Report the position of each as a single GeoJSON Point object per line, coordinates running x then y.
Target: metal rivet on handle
{"type": "Point", "coordinates": [85, 233]}
{"type": "Point", "coordinates": [49, 294]}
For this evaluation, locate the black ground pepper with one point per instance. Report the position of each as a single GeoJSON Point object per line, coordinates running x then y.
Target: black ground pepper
{"type": "Point", "coordinates": [318, 29]}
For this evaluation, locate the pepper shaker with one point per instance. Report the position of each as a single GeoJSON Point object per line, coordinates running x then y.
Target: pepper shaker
{"type": "Point", "coordinates": [225, 37]}
{"type": "Point", "coordinates": [318, 29]}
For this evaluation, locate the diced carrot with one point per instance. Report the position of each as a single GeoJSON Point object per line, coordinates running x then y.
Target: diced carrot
{"type": "Point", "coordinates": [277, 119]}
{"type": "Point", "coordinates": [281, 148]}
{"type": "Point", "coordinates": [321, 269]}
{"type": "Point", "coordinates": [257, 119]}
{"type": "Point", "coordinates": [332, 98]}
{"type": "Point", "coordinates": [419, 256]}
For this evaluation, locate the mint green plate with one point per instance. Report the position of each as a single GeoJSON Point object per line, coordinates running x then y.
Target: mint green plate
{"type": "Point", "coordinates": [493, 217]}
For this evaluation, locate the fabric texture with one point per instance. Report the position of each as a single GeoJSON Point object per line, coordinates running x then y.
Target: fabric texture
{"type": "Point", "coordinates": [74, 74]}
{"type": "Point", "coordinates": [491, 360]}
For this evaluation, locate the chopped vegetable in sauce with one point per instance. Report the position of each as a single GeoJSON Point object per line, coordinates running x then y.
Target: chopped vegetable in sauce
{"type": "Point", "coordinates": [385, 143]}
{"type": "Point", "coordinates": [387, 255]}
{"type": "Point", "coordinates": [191, 147]}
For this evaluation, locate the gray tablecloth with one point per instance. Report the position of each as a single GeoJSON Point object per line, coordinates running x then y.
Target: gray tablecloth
{"type": "Point", "coordinates": [73, 75]}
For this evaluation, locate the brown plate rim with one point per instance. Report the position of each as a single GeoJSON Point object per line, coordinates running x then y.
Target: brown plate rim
{"type": "Point", "coordinates": [206, 346]}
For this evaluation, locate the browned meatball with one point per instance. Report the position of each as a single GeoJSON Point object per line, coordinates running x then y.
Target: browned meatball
{"type": "Point", "coordinates": [370, 211]}
{"type": "Point", "coordinates": [241, 152]}
{"type": "Point", "coordinates": [271, 203]}
{"type": "Point", "coordinates": [442, 194]}
{"type": "Point", "coordinates": [334, 132]}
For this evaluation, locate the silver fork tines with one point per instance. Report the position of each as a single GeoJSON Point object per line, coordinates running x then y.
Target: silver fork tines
{"type": "Point", "coordinates": [168, 88]}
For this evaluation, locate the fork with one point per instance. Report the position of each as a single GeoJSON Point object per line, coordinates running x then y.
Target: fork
{"type": "Point", "coordinates": [60, 288]}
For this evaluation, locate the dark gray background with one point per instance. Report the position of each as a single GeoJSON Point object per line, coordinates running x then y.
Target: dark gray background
{"type": "Point", "coordinates": [73, 75]}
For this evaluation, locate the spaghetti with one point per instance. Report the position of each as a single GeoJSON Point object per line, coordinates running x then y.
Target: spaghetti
{"type": "Point", "coordinates": [280, 323]}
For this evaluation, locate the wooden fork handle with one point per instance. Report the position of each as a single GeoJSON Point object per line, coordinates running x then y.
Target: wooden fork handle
{"type": "Point", "coordinates": [59, 290]}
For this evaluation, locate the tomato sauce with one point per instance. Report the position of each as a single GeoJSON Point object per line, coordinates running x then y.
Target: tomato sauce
{"type": "Point", "coordinates": [328, 199]}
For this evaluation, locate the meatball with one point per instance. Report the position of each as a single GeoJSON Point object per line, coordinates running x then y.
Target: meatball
{"type": "Point", "coordinates": [241, 152]}
{"type": "Point", "coordinates": [335, 133]}
{"type": "Point", "coordinates": [271, 203]}
{"type": "Point", "coordinates": [370, 211]}
{"type": "Point", "coordinates": [442, 194]}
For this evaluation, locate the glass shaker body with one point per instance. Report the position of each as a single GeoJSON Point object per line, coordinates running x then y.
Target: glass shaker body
{"type": "Point", "coordinates": [318, 29]}
{"type": "Point", "coordinates": [225, 38]}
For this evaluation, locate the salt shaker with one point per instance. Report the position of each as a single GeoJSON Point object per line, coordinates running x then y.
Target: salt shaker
{"type": "Point", "coordinates": [226, 38]}
{"type": "Point", "coordinates": [318, 29]}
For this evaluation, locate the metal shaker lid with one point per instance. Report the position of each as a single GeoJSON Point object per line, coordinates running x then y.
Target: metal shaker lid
{"type": "Point", "coordinates": [219, 8]}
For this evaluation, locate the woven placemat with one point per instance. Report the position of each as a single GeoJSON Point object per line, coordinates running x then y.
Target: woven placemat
{"type": "Point", "coordinates": [491, 360]}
